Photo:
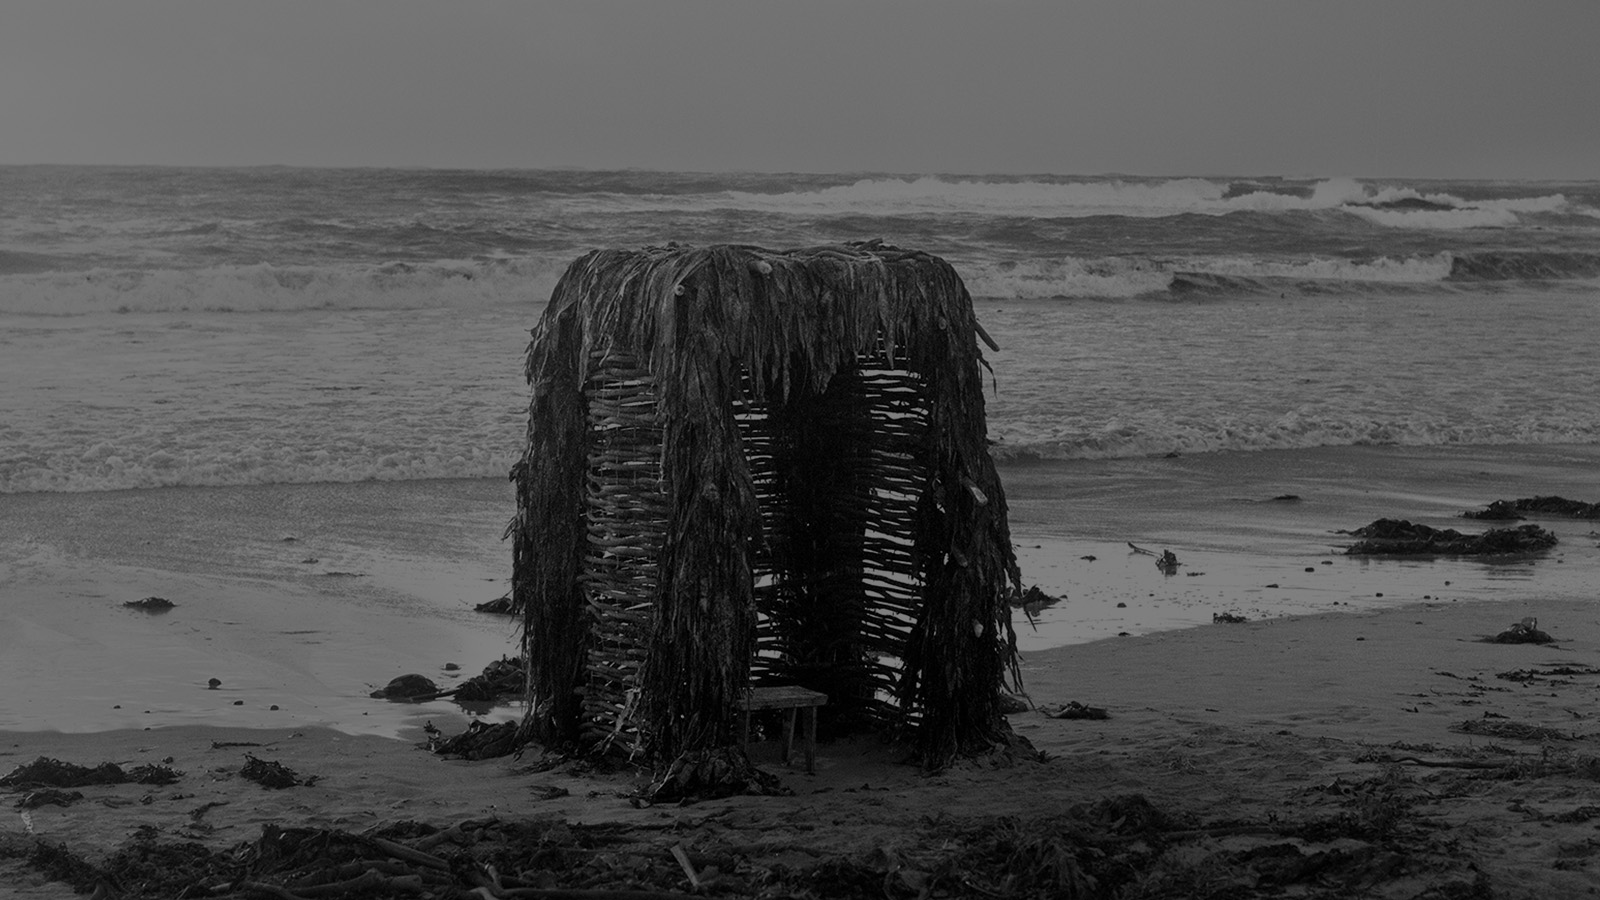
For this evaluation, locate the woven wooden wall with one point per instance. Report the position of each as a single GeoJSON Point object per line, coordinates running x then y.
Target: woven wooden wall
{"type": "Point", "coordinates": [625, 519]}
{"type": "Point", "coordinates": [837, 477]}
{"type": "Point", "coordinates": [747, 466]}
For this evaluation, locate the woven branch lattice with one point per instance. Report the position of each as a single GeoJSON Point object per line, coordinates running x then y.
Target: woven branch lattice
{"type": "Point", "coordinates": [745, 465]}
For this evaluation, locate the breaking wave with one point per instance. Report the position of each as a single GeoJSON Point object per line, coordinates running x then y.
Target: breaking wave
{"type": "Point", "coordinates": [509, 283]}
{"type": "Point", "coordinates": [1120, 278]}
{"type": "Point", "coordinates": [1530, 265]}
{"type": "Point", "coordinates": [1401, 207]}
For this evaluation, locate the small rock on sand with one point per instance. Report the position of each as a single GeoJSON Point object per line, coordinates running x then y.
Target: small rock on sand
{"type": "Point", "coordinates": [407, 687]}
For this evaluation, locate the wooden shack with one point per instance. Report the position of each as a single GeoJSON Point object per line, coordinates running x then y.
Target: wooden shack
{"type": "Point", "coordinates": [750, 467]}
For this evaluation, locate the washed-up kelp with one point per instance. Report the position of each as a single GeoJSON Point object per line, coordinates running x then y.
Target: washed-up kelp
{"type": "Point", "coordinates": [756, 466]}
{"type": "Point", "coordinates": [47, 772]}
{"type": "Point", "coordinates": [273, 775]}
{"type": "Point", "coordinates": [1523, 632]}
{"type": "Point", "coordinates": [1397, 537]}
{"type": "Point", "coordinates": [481, 740]}
{"type": "Point", "coordinates": [1506, 728]}
{"type": "Point", "coordinates": [500, 605]}
{"type": "Point", "coordinates": [1114, 847]}
{"type": "Point", "coordinates": [48, 796]}
{"type": "Point", "coordinates": [1510, 510]}
{"type": "Point", "coordinates": [500, 679]}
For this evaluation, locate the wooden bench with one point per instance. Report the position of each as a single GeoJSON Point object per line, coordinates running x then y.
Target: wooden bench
{"type": "Point", "coordinates": [791, 698]}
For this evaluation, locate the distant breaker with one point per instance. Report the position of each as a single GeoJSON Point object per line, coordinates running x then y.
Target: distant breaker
{"type": "Point", "coordinates": [1069, 197]}
{"type": "Point", "coordinates": [1119, 278]}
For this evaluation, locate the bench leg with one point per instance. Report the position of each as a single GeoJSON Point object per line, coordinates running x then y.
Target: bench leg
{"type": "Point", "coordinates": [788, 735]}
{"type": "Point", "coordinates": [811, 740]}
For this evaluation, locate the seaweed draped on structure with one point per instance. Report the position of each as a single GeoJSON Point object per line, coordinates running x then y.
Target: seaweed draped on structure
{"type": "Point", "coordinates": [746, 466]}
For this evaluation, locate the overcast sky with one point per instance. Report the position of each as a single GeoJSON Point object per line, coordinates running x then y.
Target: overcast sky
{"type": "Point", "coordinates": [1444, 88]}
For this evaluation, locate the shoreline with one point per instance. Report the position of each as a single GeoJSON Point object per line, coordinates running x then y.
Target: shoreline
{"type": "Point", "coordinates": [309, 597]}
{"type": "Point", "coordinates": [1333, 742]}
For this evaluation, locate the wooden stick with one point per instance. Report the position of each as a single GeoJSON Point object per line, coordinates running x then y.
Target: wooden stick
{"type": "Point", "coordinates": [401, 851]}
{"type": "Point", "coordinates": [683, 863]}
{"type": "Point", "coordinates": [985, 335]}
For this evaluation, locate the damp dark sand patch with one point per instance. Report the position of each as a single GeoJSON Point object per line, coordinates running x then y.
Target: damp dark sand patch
{"type": "Point", "coordinates": [1512, 730]}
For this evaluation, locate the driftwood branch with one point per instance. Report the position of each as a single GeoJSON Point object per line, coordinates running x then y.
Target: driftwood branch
{"type": "Point", "coordinates": [401, 851]}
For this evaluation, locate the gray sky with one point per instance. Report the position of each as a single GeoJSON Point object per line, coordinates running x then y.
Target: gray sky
{"type": "Point", "coordinates": [1166, 87]}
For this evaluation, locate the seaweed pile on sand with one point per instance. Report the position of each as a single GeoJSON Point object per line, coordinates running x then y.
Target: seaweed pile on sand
{"type": "Point", "coordinates": [53, 773]}
{"type": "Point", "coordinates": [503, 680]}
{"type": "Point", "coordinates": [1122, 846]}
{"type": "Point", "coordinates": [481, 740]}
{"type": "Point", "coordinates": [1398, 537]}
{"type": "Point", "coordinates": [1511, 510]}
{"type": "Point", "coordinates": [1523, 632]}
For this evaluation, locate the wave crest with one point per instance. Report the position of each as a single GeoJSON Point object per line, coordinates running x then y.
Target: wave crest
{"type": "Point", "coordinates": [1384, 205]}
{"type": "Point", "coordinates": [1127, 277]}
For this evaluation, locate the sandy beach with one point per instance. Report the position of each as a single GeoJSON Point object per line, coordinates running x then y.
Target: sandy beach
{"type": "Point", "coordinates": [1352, 737]}
{"type": "Point", "coordinates": [1316, 755]}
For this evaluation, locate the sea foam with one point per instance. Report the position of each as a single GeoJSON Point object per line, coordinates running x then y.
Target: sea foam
{"type": "Point", "coordinates": [1131, 197]}
{"type": "Point", "coordinates": [1129, 277]}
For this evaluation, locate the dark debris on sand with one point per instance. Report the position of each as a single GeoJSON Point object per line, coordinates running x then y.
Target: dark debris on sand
{"type": "Point", "coordinates": [410, 688]}
{"type": "Point", "coordinates": [1524, 632]}
{"type": "Point", "coordinates": [46, 772]}
{"type": "Point", "coordinates": [1397, 537]}
{"type": "Point", "coordinates": [1548, 674]}
{"type": "Point", "coordinates": [1072, 709]}
{"type": "Point", "coordinates": [500, 606]}
{"type": "Point", "coordinates": [48, 796]}
{"type": "Point", "coordinates": [505, 678]}
{"type": "Point", "coordinates": [273, 775]}
{"type": "Point", "coordinates": [501, 680]}
{"type": "Point", "coordinates": [1033, 601]}
{"type": "Point", "coordinates": [717, 772]}
{"type": "Point", "coordinates": [1509, 729]}
{"type": "Point", "coordinates": [480, 741]}
{"type": "Point", "coordinates": [1511, 510]}
{"type": "Point", "coordinates": [1116, 847]}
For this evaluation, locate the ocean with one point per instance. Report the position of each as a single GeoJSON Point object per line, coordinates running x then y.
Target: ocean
{"type": "Point", "coordinates": [207, 370]}
{"type": "Point", "coordinates": [164, 327]}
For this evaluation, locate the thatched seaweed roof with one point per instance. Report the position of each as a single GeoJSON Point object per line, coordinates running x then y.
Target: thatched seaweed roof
{"type": "Point", "coordinates": [710, 337]}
